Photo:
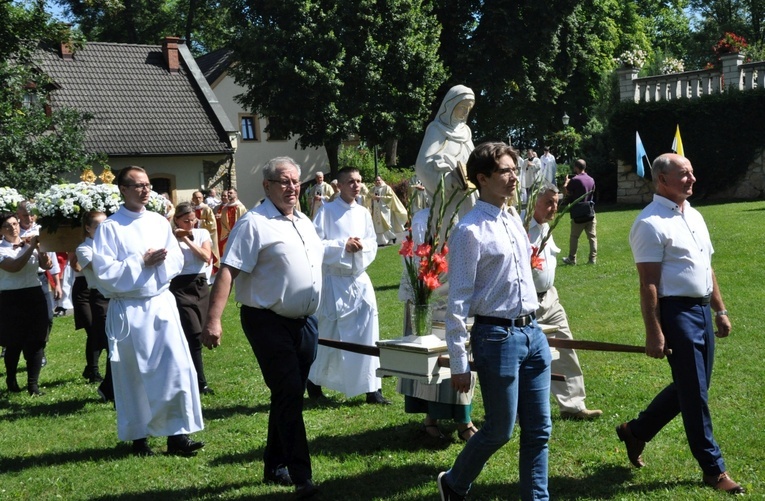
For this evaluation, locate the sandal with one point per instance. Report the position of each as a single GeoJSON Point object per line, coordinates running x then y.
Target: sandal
{"type": "Point", "coordinates": [471, 429]}
{"type": "Point", "coordinates": [432, 430]}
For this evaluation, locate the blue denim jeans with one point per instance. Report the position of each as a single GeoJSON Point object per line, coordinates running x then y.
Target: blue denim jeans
{"type": "Point", "coordinates": [513, 365]}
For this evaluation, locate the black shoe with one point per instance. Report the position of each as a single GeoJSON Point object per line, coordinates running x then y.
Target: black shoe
{"type": "Point", "coordinates": [141, 448]}
{"type": "Point", "coordinates": [13, 386]}
{"type": "Point", "coordinates": [182, 445]}
{"type": "Point", "coordinates": [278, 476]}
{"type": "Point", "coordinates": [446, 491]}
{"type": "Point", "coordinates": [306, 489]}
{"type": "Point", "coordinates": [375, 397]}
{"type": "Point", "coordinates": [34, 391]}
{"type": "Point", "coordinates": [92, 375]}
{"type": "Point", "coordinates": [314, 391]}
{"type": "Point", "coordinates": [206, 390]}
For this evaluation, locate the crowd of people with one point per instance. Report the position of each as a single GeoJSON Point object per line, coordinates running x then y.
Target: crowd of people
{"type": "Point", "coordinates": [142, 292]}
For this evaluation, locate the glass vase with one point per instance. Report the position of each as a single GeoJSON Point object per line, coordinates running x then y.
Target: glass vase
{"type": "Point", "coordinates": [421, 319]}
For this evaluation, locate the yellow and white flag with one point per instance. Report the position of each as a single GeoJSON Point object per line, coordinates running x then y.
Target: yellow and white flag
{"type": "Point", "coordinates": [677, 143]}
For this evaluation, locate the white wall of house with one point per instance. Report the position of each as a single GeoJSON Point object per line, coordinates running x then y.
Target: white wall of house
{"type": "Point", "coordinates": [252, 155]}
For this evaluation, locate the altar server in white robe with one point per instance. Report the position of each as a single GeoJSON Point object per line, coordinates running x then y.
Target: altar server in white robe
{"type": "Point", "coordinates": [135, 255]}
{"type": "Point", "coordinates": [348, 310]}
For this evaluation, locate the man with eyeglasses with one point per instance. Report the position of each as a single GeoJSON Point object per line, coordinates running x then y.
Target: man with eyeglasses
{"type": "Point", "coordinates": [135, 256]}
{"type": "Point", "coordinates": [275, 257]}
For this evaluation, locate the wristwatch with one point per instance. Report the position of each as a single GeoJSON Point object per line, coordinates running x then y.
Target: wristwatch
{"type": "Point", "coordinates": [722, 313]}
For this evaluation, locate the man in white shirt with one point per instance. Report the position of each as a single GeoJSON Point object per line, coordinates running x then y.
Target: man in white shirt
{"type": "Point", "coordinates": [275, 257]}
{"type": "Point", "coordinates": [490, 279]}
{"type": "Point", "coordinates": [678, 290]}
{"type": "Point", "coordinates": [570, 393]}
{"type": "Point", "coordinates": [348, 311]}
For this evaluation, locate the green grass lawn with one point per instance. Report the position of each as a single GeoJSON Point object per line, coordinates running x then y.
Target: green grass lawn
{"type": "Point", "coordinates": [64, 444]}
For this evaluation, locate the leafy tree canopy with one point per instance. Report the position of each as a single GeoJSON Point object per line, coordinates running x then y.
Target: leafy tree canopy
{"type": "Point", "coordinates": [37, 146]}
{"type": "Point", "coordinates": [325, 69]}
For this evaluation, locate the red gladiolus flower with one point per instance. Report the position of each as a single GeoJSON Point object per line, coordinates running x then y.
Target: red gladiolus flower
{"type": "Point", "coordinates": [440, 264]}
{"type": "Point", "coordinates": [423, 250]}
{"type": "Point", "coordinates": [536, 261]}
{"type": "Point", "coordinates": [431, 281]}
{"type": "Point", "coordinates": [444, 250]}
{"type": "Point", "coordinates": [407, 247]}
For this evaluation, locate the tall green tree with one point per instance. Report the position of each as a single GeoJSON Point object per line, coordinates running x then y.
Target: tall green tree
{"type": "Point", "coordinates": [326, 69]}
{"type": "Point", "coordinates": [33, 138]}
{"type": "Point", "coordinates": [201, 22]}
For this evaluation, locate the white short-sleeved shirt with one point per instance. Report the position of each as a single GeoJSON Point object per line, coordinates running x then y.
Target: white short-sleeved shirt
{"type": "Point", "coordinates": [192, 265]}
{"type": "Point", "coordinates": [544, 278]}
{"type": "Point", "coordinates": [679, 240]}
{"type": "Point", "coordinates": [22, 279]}
{"type": "Point", "coordinates": [279, 261]}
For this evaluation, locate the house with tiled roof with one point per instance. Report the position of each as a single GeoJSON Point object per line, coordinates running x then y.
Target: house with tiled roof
{"type": "Point", "coordinates": [151, 106]}
{"type": "Point", "coordinates": [255, 147]}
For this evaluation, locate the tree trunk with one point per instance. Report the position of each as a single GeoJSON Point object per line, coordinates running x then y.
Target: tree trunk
{"type": "Point", "coordinates": [391, 152]}
{"type": "Point", "coordinates": [333, 152]}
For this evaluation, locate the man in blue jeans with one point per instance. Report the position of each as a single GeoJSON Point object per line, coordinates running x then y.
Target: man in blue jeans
{"type": "Point", "coordinates": [490, 279]}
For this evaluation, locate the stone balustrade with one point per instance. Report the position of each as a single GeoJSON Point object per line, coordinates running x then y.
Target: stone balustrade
{"type": "Point", "coordinates": [735, 74]}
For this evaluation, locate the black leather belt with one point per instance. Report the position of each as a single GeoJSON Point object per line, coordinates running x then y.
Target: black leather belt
{"type": "Point", "coordinates": [505, 322]}
{"type": "Point", "coordinates": [700, 301]}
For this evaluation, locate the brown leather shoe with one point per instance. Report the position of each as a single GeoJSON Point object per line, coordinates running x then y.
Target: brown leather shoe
{"type": "Point", "coordinates": [633, 444]}
{"type": "Point", "coordinates": [723, 482]}
{"type": "Point", "coordinates": [583, 415]}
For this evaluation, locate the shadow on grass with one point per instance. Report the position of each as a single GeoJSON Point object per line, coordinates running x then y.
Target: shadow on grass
{"type": "Point", "coordinates": [209, 492]}
{"type": "Point", "coordinates": [605, 482]}
{"type": "Point", "coordinates": [212, 412]}
{"type": "Point", "coordinates": [20, 463]}
{"type": "Point", "coordinates": [22, 406]}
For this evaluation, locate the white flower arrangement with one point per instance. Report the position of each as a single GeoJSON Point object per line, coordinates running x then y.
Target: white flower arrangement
{"type": "Point", "coordinates": [9, 199]}
{"type": "Point", "coordinates": [66, 203]}
{"type": "Point", "coordinates": [633, 58]}
{"type": "Point", "coordinates": [672, 65]}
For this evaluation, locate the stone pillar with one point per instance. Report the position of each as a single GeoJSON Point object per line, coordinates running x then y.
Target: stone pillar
{"type": "Point", "coordinates": [628, 90]}
{"type": "Point", "coordinates": [730, 70]}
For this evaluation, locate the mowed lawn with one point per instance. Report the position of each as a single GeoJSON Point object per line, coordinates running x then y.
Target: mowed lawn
{"type": "Point", "coordinates": [64, 445]}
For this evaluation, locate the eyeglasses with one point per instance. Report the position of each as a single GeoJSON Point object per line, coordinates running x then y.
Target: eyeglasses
{"type": "Point", "coordinates": [505, 172]}
{"type": "Point", "coordinates": [139, 186]}
{"type": "Point", "coordinates": [285, 183]}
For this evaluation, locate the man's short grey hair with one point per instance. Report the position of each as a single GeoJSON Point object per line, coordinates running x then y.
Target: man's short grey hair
{"type": "Point", "coordinates": [547, 187]}
{"type": "Point", "coordinates": [269, 171]}
{"type": "Point", "coordinates": [660, 165]}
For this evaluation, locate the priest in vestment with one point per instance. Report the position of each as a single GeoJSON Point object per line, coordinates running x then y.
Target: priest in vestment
{"type": "Point", "coordinates": [135, 255]}
{"type": "Point", "coordinates": [230, 214]}
{"type": "Point", "coordinates": [206, 220]}
{"type": "Point", "coordinates": [388, 213]}
{"type": "Point", "coordinates": [348, 310]}
{"type": "Point", "coordinates": [319, 194]}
